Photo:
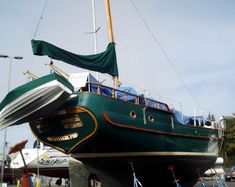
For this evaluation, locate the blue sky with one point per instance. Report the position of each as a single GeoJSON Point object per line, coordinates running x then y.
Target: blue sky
{"type": "Point", "coordinates": [198, 36]}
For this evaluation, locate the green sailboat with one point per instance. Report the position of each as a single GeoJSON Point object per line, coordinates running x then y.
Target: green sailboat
{"type": "Point", "coordinates": [115, 130]}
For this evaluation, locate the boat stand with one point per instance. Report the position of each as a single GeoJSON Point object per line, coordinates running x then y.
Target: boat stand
{"type": "Point", "coordinates": [175, 180]}
{"type": "Point", "coordinates": [136, 182]}
{"type": "Point", "coordinates": [200, 179]}
{"type": "Point", "coordinates": [218, 182]}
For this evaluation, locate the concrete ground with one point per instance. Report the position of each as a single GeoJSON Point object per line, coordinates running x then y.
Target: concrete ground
{"type": "Point", "coordinates": [210, 184]}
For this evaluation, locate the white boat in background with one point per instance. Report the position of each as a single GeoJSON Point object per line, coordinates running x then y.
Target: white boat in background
{"type": "Point", "coordinates": [216, 170]}
{"type": "Point", "coordinates": [34, 99]}
{"type": "Point", "coordinates": [44, 161]}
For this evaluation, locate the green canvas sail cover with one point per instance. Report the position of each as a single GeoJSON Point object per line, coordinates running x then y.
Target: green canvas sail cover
{"type": "Point", "coordinates": [104, 62]}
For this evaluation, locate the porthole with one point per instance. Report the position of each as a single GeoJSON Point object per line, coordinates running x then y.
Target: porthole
{"type": "Point", "coordinates": [133, 114]}
{"type": "Point", "coordinates": [151, 118]}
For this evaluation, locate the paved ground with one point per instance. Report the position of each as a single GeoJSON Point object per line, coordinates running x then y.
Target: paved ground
{"type": "Point", "coordinates": [208, 184]}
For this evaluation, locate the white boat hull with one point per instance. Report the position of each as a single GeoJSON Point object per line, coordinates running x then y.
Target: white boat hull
{"type": "Point", "coordinates": [38, 102]}
{"type": "Point", "coordinates": [46, 162]}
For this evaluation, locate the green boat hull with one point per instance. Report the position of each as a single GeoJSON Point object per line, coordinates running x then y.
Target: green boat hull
{"type": "Point", "coordinates": [91, 123]}
{"type": "Point", "coordinates": [108, 134]}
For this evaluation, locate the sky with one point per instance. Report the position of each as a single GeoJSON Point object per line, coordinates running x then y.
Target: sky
{"type": "Point", "coordinates": [177, 51]}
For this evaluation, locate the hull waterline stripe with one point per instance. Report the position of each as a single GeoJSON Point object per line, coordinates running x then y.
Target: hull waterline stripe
{"type": "Point", "coordinates": [140, 154]}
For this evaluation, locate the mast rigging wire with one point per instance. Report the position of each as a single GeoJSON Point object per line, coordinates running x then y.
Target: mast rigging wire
{"type": "Point", "coordinates": [41, 17]}
{"type": "Point", "coordinates": [164, 53]}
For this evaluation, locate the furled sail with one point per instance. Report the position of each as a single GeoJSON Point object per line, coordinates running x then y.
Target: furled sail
{"type": "Point", "coordinates": [104, 62]}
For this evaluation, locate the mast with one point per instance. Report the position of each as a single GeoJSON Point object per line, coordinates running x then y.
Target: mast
{"type": "Point", "coordinates": [94, 25]}
{"type": "Point", "coordinates": [94, 32]}
{"type": "Point", "coordinates": [110, 30]}
{"type": "Point", "coordinates": [109, 21]}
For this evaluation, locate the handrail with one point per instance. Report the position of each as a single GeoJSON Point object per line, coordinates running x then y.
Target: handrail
{"type": "Point", "coordinates": [100, 89]}
{"type": "Point", "coordinates": [114, 92]}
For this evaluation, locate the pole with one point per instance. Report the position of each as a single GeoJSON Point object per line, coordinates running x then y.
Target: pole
{"type": "Point", "coordinates": [9, 76]}
{"type": "Point", "coordinates": [5, 130]}
{"type": "Point", "coordinates": [94, 25]}
{"type": "Point", "coordinates": [181, 110]}
{"type": "Point", "coordinates": [94, 32]}
{"type": "Point", "coordinates": [110, 29]}
{"type": "Point", "coordinates": [109, 21]}
{"type": "Point", "coordinates": [3, 155]}
{"type": "Point", "coordinates": [25, 165]}
{"type": "Point", "coordinates": [194, 116]}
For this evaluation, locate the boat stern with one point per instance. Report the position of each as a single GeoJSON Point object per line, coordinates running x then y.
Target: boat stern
{"type": "Point", "coordinates": [67, 129]}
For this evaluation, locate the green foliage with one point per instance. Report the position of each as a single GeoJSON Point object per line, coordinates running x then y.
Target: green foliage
{"type": "Point", "coordinates": [228, 149]}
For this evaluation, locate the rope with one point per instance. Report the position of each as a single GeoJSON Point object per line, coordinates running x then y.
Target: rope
{"type": "Point", "coordinates": [41, 17]}
{"type": "Point", "coordinates": [164, 53]}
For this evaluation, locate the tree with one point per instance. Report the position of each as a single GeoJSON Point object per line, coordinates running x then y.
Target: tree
{"type": "Point", "coordinates": [228, 148]}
